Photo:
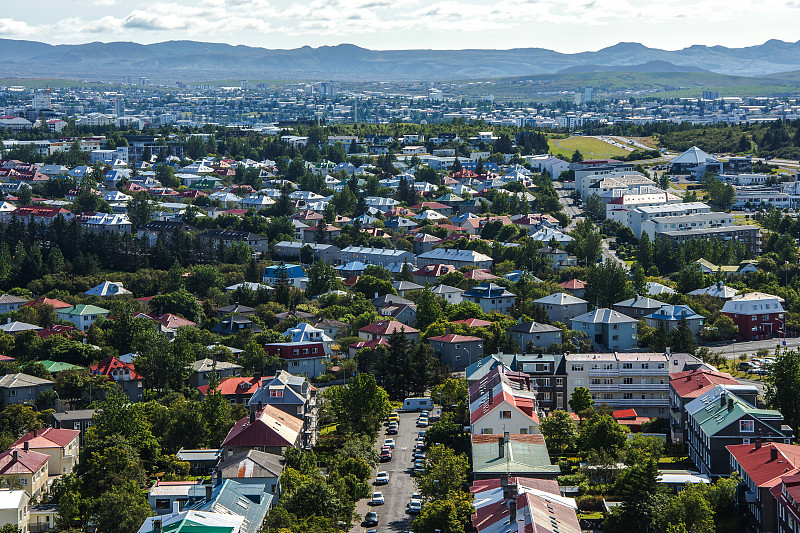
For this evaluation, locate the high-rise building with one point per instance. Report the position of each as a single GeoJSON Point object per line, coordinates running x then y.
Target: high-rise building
{"type": "Point", "coordinates": [119, 106]}
{"type": "Point", "coordinates": [245, 85]}
{"type": "Point", "coordinates": [587, 95]}
{"type": "Point", "coordinates": [144, 81]}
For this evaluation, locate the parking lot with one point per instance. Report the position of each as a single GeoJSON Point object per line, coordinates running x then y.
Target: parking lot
{"type": "Point", "coordinates": [393, 515]}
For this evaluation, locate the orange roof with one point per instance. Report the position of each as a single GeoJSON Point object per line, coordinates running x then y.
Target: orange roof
{"type": "Point", "coordinates": [111, 366]}
{"type": "Point", "coordinates": [387, 327]}
{"type": "Point", "coordinates": [244, 386]}
{"type": "Point", "coordinates": [573, 284]}
{"type": "Point", "coordinates": [473, 322]}
{"type": "Point", "coordinates": [57, 304]}
{"type": "Point", "coordinates": [26, 463]}
{"type": "Point", "coordinates": [693, 383]}
{"type": "Point", "coordinates": [759, 464]}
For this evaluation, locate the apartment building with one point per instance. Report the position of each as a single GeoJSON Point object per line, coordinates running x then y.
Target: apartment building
{"type": "Point", "coordinates": [638, 216]}
{"type": "Point", "coordinates": [658, 225]}
{"type": "Point", "coordinates": [628, 380]}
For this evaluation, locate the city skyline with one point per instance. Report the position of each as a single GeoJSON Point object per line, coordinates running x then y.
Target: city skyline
{"type": "Point", "coordinates": [384, 25]}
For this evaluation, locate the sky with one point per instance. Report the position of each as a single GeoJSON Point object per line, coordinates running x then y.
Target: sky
{"type": "Point", "coordinates": [561, 25]}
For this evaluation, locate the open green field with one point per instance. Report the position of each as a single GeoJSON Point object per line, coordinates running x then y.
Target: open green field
{"type": "Point", "coordinates": [591, 148]}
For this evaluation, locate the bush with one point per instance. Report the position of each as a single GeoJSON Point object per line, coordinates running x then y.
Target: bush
{"type": "Point", "coordinates": [589, 503]}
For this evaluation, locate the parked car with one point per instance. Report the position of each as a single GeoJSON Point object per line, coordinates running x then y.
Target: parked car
{"type": "Point", "coordinates": [382, 478]}
{"type": "Point", "coordinates": [371, 518]}
{"type": "Point", "coordinates": [422, 423]}
{"type": "Point", "coordinates": [392, 429]}
{"type": "Point", "coordinates": [419, 466]}
{"type": "Point", "coordinates": [414, 506]}
{"type": "Point", "coordinates": [389, 443]}
{"type": "Point", "coordinates": [377, 498]}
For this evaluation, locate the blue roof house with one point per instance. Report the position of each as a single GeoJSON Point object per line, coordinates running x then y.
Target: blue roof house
{"type": "Point", "coordinates": [295, 274]}
{"type": "Point", "coordinates": [671, 316]}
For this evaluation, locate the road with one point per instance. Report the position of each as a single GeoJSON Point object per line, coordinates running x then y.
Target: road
{"type": "Point", "coordinates": [567, 205]}
{"type": "Point", "coordinates": [609, 255]}
{"type": "Point", "coordinates": [735, 349]}
{"type": "Point", "coordinates": [392, 515]}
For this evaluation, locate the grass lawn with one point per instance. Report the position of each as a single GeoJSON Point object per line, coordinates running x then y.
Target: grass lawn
{"type": "Point", "coordinates": [590, 516]}
{"type": "Point", "coordinates": [590, 148]}
{"type": "Point", "coordinates": [328, 430]}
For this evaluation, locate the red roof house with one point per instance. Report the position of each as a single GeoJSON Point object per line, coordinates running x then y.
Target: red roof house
{"type": "Point", "coordinates": [383, 329]}
{"type": "Point", "coordinates": [269, 430]}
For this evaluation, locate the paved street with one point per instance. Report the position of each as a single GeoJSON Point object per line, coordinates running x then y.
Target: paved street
{"type": "Point", "coordinates": [609, 255]}
{"type": "Point", "coordinates": [567, 205]}
{"type": "Point", "coordinates": [735, 349]}
{"type": "Point", "coordinates": [392, 515]}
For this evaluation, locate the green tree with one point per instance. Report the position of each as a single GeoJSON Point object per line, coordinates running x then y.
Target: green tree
{"type": "Point", "coordinates": [586, 242]}
{"type": "Point", "coordinates": [216, 410]}
{"type": "Point", "coordinates": [358, 407]}
{"type": "Point", "coordinates": [372, 287]}
{"type": "Point", "coordinates": [603, 433]}
{"type": "Point", "coordinates": [445, 471]}
{"type": "Point", "coordinates": [638, 278]}
{"type": "Point", "coordinates": [688, 511]}
{"type": "Point", "coordinates": [607, 284]}
{"type": "Point", "coordinates": [581, 400]}
{"type": "Point", "coordinates": [682, 338]}
{"type": "Point", "coordinates": [140, 209]}
{"type": "Point", "coordinates": [122, 509]}
{"type": "Point", "coordinates": [204, 278]}
{"type": "Point", "coordinates": [638, 481]}
{"type": "Point", "coordinates": [180, 302]}
{"type": "Point", "coordinates": [428, 309]}
{"type": "Point", "coordinates": [165, 175]}
{"type": "Point", "coordinates": [783, 382]}
{"type": "Point", "coordinates": [450, 514]}
{"type": "Point", "coordinates": [594, 207]}
{"type": "Point", "coordinates": [577, 156]}
{"type": "Point", "coordinates": [322, 278]}
{"type": "Point", "coordinates": [690, 278]}
{"type": "Point", "coordinates": [559, 431]}
{"type": "Point", "coordinates": [644, 254]}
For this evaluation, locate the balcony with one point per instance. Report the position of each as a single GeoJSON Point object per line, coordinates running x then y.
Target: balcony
{"type": "Point", "coordinates": [662, 387]}
{"type": "Point", "coordinates": [604, 373]}
{"type": "Point", "coordinates": [604, 388]}
{"type": "Point", "coordinates": [647, 402]}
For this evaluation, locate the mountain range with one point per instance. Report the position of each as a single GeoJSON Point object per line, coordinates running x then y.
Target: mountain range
{"type": "Point", "coordinates": [192, 60]}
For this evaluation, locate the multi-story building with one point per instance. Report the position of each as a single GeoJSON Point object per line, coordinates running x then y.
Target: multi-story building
{"type": "Point", "coordinates": [757, 315]}
{"type": "Point", "coordinates": [695, 221]}
{"type": "Point", "coordinates": [787, 499]}
{"type": "Point", "coordinates": [686, 386]}
{"type": "Point", "coordinates": [762, 467]}
{"type": "Point", "coordinates": [609, 329]}
{"type": "Point", "coordinates": [376, 256]}
{"type": "Point", "coordinates": [718, 419]}
{"type": "Point", "coordinates": [60, 445]}
{"type": "Point", "coordinates": [492, 298]}
{"type": "Point", "coordinates": [637, 381]}
{"type": "Point", "coordinates": [457, 258]}
{"type": "Point", "coordinates": [534, 335]}
{"type": "Point", "coordinates": [563, 307]}
{"type": "Point", "coordinates": [639, 215]}
{"type": "Point", "coordinates": [457, 351]}
{"type": "Point", "coordinates": [748, 234]}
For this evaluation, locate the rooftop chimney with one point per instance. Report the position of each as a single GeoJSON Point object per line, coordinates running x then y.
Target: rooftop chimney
{"type": "Point", "coordinates": [722, 400]}
{"type": "Point", "coordinates": [500, 444]}
{"type": "Point", "coordinates": [208, 493]}
{"type": "Point", "coordinates": [512, 509]}
{"type": "Point", "coordinates": [260, 405]}
{"type": "Point", "coordinates": [730, 404]}
{"type": "Point", "coordinates": [773, 453]}
{"type": "Point", "coordinates": [157, 527]}
{"type": "Point", "coordinates": [758, 443]}
{"type": "Point", "coordinates": [35, 432]}
{"type": "Point", "coordinates": [252, 418]}
{"type": "Point", "coordinates": [26, 445]}
{"type": "Point", "coordinates": [219, 477]}
{"type": "Point", "coordinates": [15, 455]}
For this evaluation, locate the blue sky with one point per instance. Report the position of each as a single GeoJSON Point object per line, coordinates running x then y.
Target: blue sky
{"type": "Point", "coordinates": [567, 26]}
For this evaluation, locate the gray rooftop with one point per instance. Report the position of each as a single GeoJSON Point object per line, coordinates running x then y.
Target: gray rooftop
{"type": "Point", "coordinates": [534, 327]}
{"type": "Point", "coordinates": [604, 316]}
{"type": "Point", "coordinates": [560, 298]}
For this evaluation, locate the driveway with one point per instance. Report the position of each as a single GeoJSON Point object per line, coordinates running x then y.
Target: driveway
{"type": "Point", "coordinates": [392, 515]}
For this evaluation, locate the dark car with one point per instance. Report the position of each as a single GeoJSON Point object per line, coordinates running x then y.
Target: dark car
{"type": "Point", "coordinates": [371, 518]}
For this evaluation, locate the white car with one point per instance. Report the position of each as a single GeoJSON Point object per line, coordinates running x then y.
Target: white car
{"type": "Point", "coordinates": [382, 478]}
{"type": "Point", "coordinates": [377, 498]}
{"type": "Point", "coordinates": [422, 423]}
{"type": "Point", "coordinates": [389, 443]}
{"type": "Point", "coordinates": [414, 506]}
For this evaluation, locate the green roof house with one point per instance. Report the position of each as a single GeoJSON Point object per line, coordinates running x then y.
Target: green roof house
{"type": "Point", "coordinates": [495, 455]}
{"type": "Point", "coordinates": [82, 315]}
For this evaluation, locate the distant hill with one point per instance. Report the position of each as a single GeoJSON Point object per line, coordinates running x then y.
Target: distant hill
{"type": "Point", "coordinates": [650, 66]}
{"type": "Point", "coordinates": [191, 60]}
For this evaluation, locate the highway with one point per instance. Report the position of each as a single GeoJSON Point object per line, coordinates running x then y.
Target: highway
{"type": "Point", "coordinates": [393, 515]}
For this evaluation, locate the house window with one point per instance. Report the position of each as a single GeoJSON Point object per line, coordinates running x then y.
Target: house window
{"type": "Point", "coordinates": [660, 366]}
{"type": "Point", "coordinates": [627, 366]}
{"type": "Point", "coordinates": [487, 431]}
{"type": "Point", "coordinates": [577, 368]}
{"type": "Point", "coordinates": [627, 381]}
{"type": "Point", "coordinates": [645, 366]}
{"type": "Point", "coordinates": [277, 393]}
{"type": "Point", "coordinates": [627, 396]}
{"type": "Point", "coordinates": [296, 351]}
{"type": "Point", "coordinates": [747, 426]}
{"type": "Point", "coordinates": [559, 382]}
{"type": "Point", "coordinates": [745, 441]}
{"type": "Point", "coordinates": [162, 503]}
{"type": "Point", "coordinates": [295, 363]}
{"type": "Point", "coordinates": [505, 414]}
